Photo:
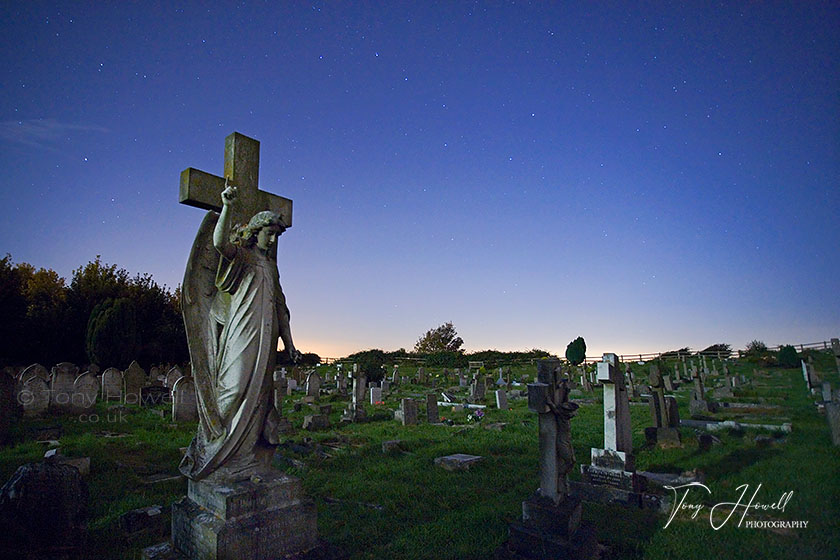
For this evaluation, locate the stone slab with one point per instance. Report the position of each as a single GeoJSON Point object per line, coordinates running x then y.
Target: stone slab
{"type": "Point", "coordinates": [457, 462]}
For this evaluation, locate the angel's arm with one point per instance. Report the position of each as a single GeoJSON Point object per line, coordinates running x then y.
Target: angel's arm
{"type": "Point", "coordinates": [221, 233]}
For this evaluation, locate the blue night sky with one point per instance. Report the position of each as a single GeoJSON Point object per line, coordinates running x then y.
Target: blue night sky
{"type": "Point", "coordinates": [647, 177]}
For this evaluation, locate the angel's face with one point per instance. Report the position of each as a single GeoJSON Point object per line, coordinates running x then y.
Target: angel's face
{"type": "Point", "coordinates": [267, 237]}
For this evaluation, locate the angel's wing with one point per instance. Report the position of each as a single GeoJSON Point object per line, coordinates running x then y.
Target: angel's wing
{"type": "Point", "coordinates": [199, 291]}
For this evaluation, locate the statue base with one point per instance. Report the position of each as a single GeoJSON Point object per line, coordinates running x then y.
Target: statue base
{"type": "Point", "coordinates": [262, 519]}
{"type": "Point", "coordinates": [549, 531]}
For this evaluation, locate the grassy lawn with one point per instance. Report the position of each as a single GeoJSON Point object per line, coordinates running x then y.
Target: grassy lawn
{"type": "Point", "coordinates": [399, 505]}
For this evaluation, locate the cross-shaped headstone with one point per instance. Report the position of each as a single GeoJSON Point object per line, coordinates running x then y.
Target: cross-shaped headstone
{"type": "Point", "coordinates": [242, 167]}
{"type": "Point", "coordinates": [549, 399]}
{"type": "Point", "coordinates": [617, 434]}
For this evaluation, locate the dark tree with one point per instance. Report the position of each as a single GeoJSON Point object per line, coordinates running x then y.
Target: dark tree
{"type": "Point", "coordinates": [788, 357]}
{"type": "Point", "coordinates": [112, 333]}
{"type": "Point", "coordinates": [576, 351]}
{"type": "Point", "coordinates": [442, 339]}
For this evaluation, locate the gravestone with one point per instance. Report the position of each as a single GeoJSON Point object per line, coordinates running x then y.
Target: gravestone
{"type": "Point", "coordinates": [355, 410]}
{"type": "Point", "coordinates": [826, 391]}
{"type": "Point", "coordinates": [832, 414]}
{"type": "Point", "coordinates": [184, 401]}
{"type": "Point", "coordinates": [313, 384]}
{"type": "Point", "coordinates": [835, 349]}
{"type": "Point", "coordinates": [432, 415]}
{"type": "Point", "coordinates": [386, 387]}
{"type": "Point", "coordinates": [44, 512]}
{"type": "Point", "coordinates": [550, 526]}
{"type": "Point", "coordinates": [34, 396]}
{"type": "Point", "coordinates": [85, 391]}
{"type": "Point", "coordinates": [66, 367]}
{"type": "Point", "coordinates": [407, 413]}
{"type": "Point", "coordinates": [156, 377]}
{"type": "Point", "coordinates": [697, 403]}
{"type": "Point", "coordinates": [61, 387]}
{"type": "Point", "coordinates": [631, 383]}
{"type": "Point", "coordinates": [375, 395]}
{"type": "Point", "coordinates": [478, 390]}
{"type": "Point", "coordinates": [462, 379]}
{"type": "Point", "coordinates": [134, 379]}
{"type": "Point", "coordinates": [284, 426]}
{"type": "Point", "coordinates": [673, 410]}
{"type": "Point", "coordinates": [341, 379]}
{"type": "Point", "coordinates": [664, 432]}
{"type": "Point", "coordinates": [112, 385]}
{"type": "Point", "coordinates": [586, 386]}
{"type": "Point", "coordinates": [501, 399]}
{"type": "Point", "coordinates": [315, 422]}
{"type": "Point", "coordinates": [172, 377]}
{"type": "Point", "coordinates": [614, 465]}
{"type": "Point", "coordinates": [421, 375]}
{"type": "Point", "coordinates": [34, 370]}
{"type": "Point", "coordinates": [668, 385]}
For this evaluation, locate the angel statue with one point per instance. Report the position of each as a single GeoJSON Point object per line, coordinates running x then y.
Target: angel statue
{"type": "Point", "coordinates": [233, 320]}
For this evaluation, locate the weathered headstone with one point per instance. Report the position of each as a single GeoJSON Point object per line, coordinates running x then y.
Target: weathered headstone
{"type": "Point", "coordinates": [697, 403]}
{"type": "Point", "coordinates": [375, 395]}
{"type": "Point", "coordinates": [835, 349]}
{"type": "Point", "coordinates": [34, 370]}
{"type": "Point", "coordinates": [355, 410]}
{"type": "Point", "coordinates": [632, 392]}
{"type": "Point", "coordinates": [832, 414]}
{"type": "Point", "coordinates": [184, 401]}
{"type": "Point", "coordinates": [432, 415]}
{"type": "Point", "coordinates": [61, 387]}
{"type": "Point", "coordinates": [172, 377]}
{"type": "Point", "coordinates": [43, 512]}
{"type": "Point", "coordinates": [34, 396]}
{"type": "Point", "coordinates": [501, 399]}
{"type": "Point", "coordinates": [664, 432]}
{"type": "Point", "coordinates": [313, 384]}
{"type": "Point", "coordinates": [112, 385]}
{"type": "Point", "coordinates": [614, 465]}
{"type": "Point", "coordinates": [407, 413]}
{"type": "Point", "coordinates": [478, 390]}
{"type": "Point", "coordinates": [314, 422]}
{"type": "Point", "coordinates": [586, 386]}
{"type": "Point", "coordinates": [134, 379]}
{"type": "Point", "coordinates": [550, 525]}
{"type": "Point", "coordinates": [85, 391]}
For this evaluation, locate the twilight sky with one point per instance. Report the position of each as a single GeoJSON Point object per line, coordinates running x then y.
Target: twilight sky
{"type": "Point", "coordinates": [648, 178]}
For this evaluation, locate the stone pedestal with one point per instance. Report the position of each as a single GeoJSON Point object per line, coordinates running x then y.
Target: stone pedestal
{"type": "Point", "coordinates": [551, 531]}
{"type": "Point", "coordinates": [248, 520]}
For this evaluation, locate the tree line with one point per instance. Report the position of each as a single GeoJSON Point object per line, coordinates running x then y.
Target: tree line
{"type": "Point", "coordinates": [103, 316]}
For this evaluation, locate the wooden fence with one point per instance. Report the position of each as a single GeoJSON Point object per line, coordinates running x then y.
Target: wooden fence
{"type": "Point", "coordinates": [824, 345]}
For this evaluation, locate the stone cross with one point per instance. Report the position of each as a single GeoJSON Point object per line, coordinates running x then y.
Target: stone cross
{"type": "Point", "coordinates": [617, 434]}
{"type": "Point", "coordinates": [242, 166]}
{"type": "Point", "coordinates": [657, 408]}
{"type": "Point", "coordinates": [549, 398]}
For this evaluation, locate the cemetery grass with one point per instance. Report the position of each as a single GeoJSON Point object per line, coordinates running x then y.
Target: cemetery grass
{"type": "Point", "coordinates": [399, 505]}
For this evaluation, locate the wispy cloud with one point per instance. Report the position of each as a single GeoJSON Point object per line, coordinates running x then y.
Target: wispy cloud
{"type": "Point", "coordinates": [41, 133]}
